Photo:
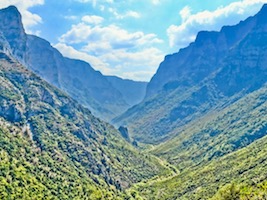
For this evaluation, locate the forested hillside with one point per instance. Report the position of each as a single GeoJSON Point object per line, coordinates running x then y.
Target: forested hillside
{"type": "Point", "coordinates": [58, 141]}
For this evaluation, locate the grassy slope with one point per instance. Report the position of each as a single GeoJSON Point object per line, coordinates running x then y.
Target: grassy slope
{"type": "Point", "coordinates": [245, 167]}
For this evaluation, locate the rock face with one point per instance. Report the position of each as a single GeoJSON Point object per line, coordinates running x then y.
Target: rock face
{"type": "Point", "coordinates": [211, 73]}
{"type": "Point", "coordinates": [13, 31]}
{"type": "Point", "coordinates": [192, 64]}
{"type": "Point", "coordinates": [77, 78]}
{"type": "Point", "coordinates": [133, 92]}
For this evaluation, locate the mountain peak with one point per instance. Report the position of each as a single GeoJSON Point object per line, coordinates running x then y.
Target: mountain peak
{"type": "Point", "coordinates": [12, 29]}
{"type": "Point", "coordinates": [10, 20]}
{"type": "Point", "coordinates": [11, 8]}
{"type": "Point", "coordinates": [11, 13]}
{"type": "Point", "coordinates": [264, 8]}
{"type": "Point", "coordinates": [262, 14]}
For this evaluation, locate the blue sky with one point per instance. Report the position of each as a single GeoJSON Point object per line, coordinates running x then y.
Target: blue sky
{"type": "Point", "coordinates": [127, 38]}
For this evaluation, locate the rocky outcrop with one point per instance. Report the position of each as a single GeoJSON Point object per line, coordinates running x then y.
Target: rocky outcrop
{"type": "Point", "coordinates": [12, 29]}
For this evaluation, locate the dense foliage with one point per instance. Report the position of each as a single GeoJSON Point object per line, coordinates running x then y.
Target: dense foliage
{"type": "Point", "coordinates": [245, 167]}
{"type": "Point", "coordinates": [218, 133]}
{"type": "Point", "coordinates": [68, 139]}
{"type": "Point", "coordinates": [27, 172]}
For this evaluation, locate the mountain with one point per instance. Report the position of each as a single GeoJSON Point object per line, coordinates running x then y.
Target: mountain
{"type": "Point", "coordinates": [218, 133]}
{"type": "Point", "coordinates": [221, 156]}
{"type": "Point", "coordinates": [52, 147]}
{"type": "Point", "coordinates": [133, 92]}
{"type": "Point", "coordinates": [210, 74]}
{"type": "Point", "coordinates": [76, 77]}
{"type": "Point", "coordinates": [199, 133]}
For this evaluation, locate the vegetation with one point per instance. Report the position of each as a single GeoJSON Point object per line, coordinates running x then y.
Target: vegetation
{"type": "Point", "coordinates": [217, 69]}
{"type": "Point", "coordinates": [242, 192]}
{"type": "Point", "coordinates": [62, 142]}
{"type": "Point", "coordinates": [245, 167]}
{"type": "Point", "coordinates": [218, 133]}
{"type": "Point", "coordinates": [212, 131]}
{"type": "Point", "coordinates": [27, 172]}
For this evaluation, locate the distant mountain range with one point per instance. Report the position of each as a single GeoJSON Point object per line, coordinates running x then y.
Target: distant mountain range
{"type": "Point", "coordinates": [89, 87]}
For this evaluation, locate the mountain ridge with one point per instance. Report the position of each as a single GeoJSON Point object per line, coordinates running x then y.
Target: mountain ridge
{"type": "Point", "coordinates": [200, 78]}
{"type": "Point", "coordinates": [90, 87]}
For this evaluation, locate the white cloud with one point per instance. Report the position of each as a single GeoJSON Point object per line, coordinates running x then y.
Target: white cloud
{"type": "Point", "coordinates": [71, 17]}
{"type": "Point", "coordinates": [113, 35]}
{"type": "Point", "coordinates": [113, 50]}
{"type": "Point", "coordinates": [155, 2]}
{"type": "Point", "coordinates": [102, 8]}
{"type": "Point", "coordinates": [185, 13]}
{"type": "Point", "coordinates": [129, 13]}
{"type": "Point", "coordinates": [92, 19]}
{"type": "Point", "coordinates": [86, 1]}
{"type": "Point", "coordinates": [132, 14]}
{"type": "Point", "coordinates": [181, 35]}
{"type": "Point", "coordinates": [95, 2]}
{"type": "Point", "coordinates": [29, 19]}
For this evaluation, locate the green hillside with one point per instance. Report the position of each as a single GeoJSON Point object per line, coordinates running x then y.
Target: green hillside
{"type": "Point", "coordinates": [224, 153]}
{"type": "Point", "coordinates": [29, 173]}
{"type": "Point", "coordinates": [218, 133]}
{"type": "Point", "coordinates": [245, 169]}
{"type": "Point", "coordinates": [64, 140]}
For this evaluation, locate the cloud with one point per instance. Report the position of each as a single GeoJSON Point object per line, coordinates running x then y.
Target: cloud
{"type": "Point", "coordinates": [185, 13]}
{"type": "Point", "coordinates": [95, 2]}
{"type": "Point", "coordinates": [29, 19]}
{"type": "Point", "coordinates": [113, 50]}
{"type": "Point", "coordinates": [127, 14]}
{"type": "Point", "coordinates": [112, 36]}
{"type": "Point", "coordinates": [132, 14]}
{"type": "Point", "coordinates": [181, 35]}
{"type": "Point", "coordinates": [155, 2]}
{"type": "Point", "coordinates": [92, 19]}
{"type": "Point", "coordinates": [71, 17]}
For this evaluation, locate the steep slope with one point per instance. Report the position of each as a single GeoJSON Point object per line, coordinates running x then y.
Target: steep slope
{"type": "Point", "coordinates": [13, 31]}
{"type": "Point", "coordinates": [133, 92]}
{"type": "Point", "coordinates": [214, 71]}
{"type": "Point", "coordinates": [217, 150]}
{"type": "Point", "coordinates": [75, 77]}
{"type": "Point", "coordinates": [218, 133]}
{"type": "Point", "coordinates": [28, 172]}
{"type": "Point", "coordinates": [246, 167]}
{"type": "Point", "coordinates": [64, 141]}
